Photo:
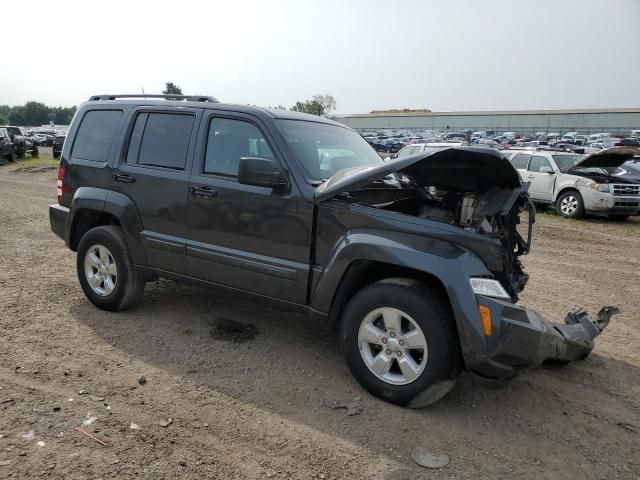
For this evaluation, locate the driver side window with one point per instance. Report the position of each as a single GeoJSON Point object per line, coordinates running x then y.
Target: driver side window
{"type": "Point", "coordinates": [536, 163]}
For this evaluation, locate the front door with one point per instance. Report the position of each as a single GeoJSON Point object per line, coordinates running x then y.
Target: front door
{"type": "Point", "coordinates": [153, 170]}
{"type": "Point", "coordinates": [252, 238]}
{"type": "Point", "coordinates": [542, 182]}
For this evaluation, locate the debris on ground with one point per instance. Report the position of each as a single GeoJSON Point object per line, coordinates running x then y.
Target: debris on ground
{"type": "Point", "coordinates": [4, 463]}
{"type": "Point", "coordinates": [142, 380]}
{"type": "Point", "coordinates": [89, 420]}
{"type": "Point", "coordinates": [82, 392]}
{"type": "Point", "coordinates": [41, 443]}
{"type": "Point", "coordinates": [7, 400]}
{"type": "Point", "coordinates": [134, 426]}
{"type": "Point", "coordinates": [96, 398]}
{"type": "Point", "coordinates": [353, 408]}
{"type": "Point", "coordinates": [165, 423]}
{"type": "Point", "coordinates": [427, 459]}
{"type": "Point", "coordinates": [88, 435]}
{"type": "Point", "coordinates": [30, 435]}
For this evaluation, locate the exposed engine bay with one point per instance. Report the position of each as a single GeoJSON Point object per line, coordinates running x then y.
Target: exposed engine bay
{"type": "Point", "coordinates": [476, 190]}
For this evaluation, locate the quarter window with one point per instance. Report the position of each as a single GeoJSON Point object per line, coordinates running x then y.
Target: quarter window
{"type": "Point", "coordinates": [537, 163]}
{"type": "Point", "coordinates": [95, 135]}
{"type": "Point", "coordinates": [230, 140]}
{"type": "Point", "coordinates": [160, 140]}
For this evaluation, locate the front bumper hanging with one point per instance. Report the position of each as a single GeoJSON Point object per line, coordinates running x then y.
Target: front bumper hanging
{"type": "Point", "coordinates": [522, 339]}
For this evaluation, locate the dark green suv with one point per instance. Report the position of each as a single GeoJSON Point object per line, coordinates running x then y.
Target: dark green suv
{"type": "Point", "coordinates": [415, 261]}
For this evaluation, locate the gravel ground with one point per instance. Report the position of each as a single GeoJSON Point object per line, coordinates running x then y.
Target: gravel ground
{"type": "Point", "coordinates": [249, 389]}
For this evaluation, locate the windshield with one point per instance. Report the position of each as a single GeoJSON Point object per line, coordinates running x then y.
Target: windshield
{"type": "Point", "coordinates": [565, 162]}
{"type": "Point", "coordinates": [324, 149]}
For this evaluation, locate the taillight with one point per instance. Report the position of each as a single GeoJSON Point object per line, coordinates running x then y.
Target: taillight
{"type": "Point", "coordinates": [60, 183]}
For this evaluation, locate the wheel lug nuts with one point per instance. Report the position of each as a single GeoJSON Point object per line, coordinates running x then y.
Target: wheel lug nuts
{"type": "Point", "coordinates": [393, 334]}
{"type": "Point", "coordinates": [399, 354]}
{"type": "Point", "coordinates": [401, 342]}
{"type": "Point", "coordinates": [384, 340]}
{"type": "Point", "coordinates": [388, 352]}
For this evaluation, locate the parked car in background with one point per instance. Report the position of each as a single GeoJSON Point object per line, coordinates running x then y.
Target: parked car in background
{"type": "Point", "coordinates": [22, 141]}
{"type": "Point", "coordinates": [58, 143]}
{"type": "Point", "coordinates": [579, 184]}
{"type": "Point", "coordinates": [7, 151]}
{"type": "Point", "coordinates": [569, 137]}
{"type": "Point", "coordinates": [627, 142]}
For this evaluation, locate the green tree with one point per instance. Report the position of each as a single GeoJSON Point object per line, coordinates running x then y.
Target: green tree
{"type": "Point", "coordinates": [3, 121]}
{"type": "Point", "coordinates": [35, 113]}
{"type": "Point", "coordinates": [320, 105]}
{"type": "Point", "coordinates": [61, 115]}
{"type": "Point", "coordinates": [17, 116]}
{"type": "Point", "coordinates": [171, 88]}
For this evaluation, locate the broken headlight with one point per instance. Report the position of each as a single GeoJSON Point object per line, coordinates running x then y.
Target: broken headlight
{"type": "Point", "coordinates": [489, 288]}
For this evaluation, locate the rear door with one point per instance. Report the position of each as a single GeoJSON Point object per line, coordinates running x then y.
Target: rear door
{"type": "Point", "coordinates": [247, 237]}
{"type": "Point", "coordinates": [541, 182]}
{"type": "Point", "coordinates": [153, 170]}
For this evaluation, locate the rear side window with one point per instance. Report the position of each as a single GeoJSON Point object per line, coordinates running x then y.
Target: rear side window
{"type": "Point", "coordinates": [537, 163]}
{"type": "Point", "coordinates": [160, 140]}
{"type": "Point", "coordinates": [95, 135]}
{"type": "Point", "coordinates": [230, 140]}
{"type": "Point", "coordinates": [520, 161]}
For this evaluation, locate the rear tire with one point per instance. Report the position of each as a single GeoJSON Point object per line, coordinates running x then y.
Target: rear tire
{"type": "Point", "coordinates": [12, 156]}
{"type": "Point", "coordinates": [432, 370]}
{"type": "Point", "coordinates": [124, 285]}
{"type": "Point", "coordinates": [570, 204]}
{"type": "Point", "coordinates": [20, 153]}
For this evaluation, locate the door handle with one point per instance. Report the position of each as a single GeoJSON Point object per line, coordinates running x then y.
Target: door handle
{"type": "Point", "coordinates": [205, 192]}
{"type": "Point", "coordinates": [123, 177]}
{"type": "Point", "coordinates": [531, 176]}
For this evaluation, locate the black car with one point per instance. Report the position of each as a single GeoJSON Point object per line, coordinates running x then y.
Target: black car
{"type": "Point", "coordinates": [301, 210]}
{"type": "Point", "coordinates": [58, 142]}
{"type": "Point", "coordinates": [7, 151]}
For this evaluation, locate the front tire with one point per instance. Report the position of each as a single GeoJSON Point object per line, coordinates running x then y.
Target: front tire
{"type": "Point", "coordinates": [35, 152]}
{"type": "Point", "coordinates": [106, 271]}
{"type": "Point", "coordinates": [399, 340]}
{"type": "Point", "coordinates": [570, 204]}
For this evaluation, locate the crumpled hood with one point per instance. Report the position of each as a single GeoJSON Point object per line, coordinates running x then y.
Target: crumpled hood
{"type": "Point", "coordinates": [462, 168]}
{"type": "Point", "coordinates": [611, 157]}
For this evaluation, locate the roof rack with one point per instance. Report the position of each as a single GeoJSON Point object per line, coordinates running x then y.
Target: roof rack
{"type": "Point", "coordinates": [187, 98]}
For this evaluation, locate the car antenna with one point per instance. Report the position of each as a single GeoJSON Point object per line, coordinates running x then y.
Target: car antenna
{"type": "Point", "coordinates": [143, 94]}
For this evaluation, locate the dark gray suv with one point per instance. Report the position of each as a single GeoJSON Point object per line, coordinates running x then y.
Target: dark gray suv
{"type": "Point", "coordinates": [415, 260]}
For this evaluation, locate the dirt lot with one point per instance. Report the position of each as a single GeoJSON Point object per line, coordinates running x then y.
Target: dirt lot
{"type": "Point", "coordinates": [253, 400]}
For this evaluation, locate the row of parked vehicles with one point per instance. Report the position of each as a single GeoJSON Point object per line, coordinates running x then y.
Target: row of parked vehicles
{"type": "Point", "coordinates": [393, 142]}
{"type": "Point", "coordinates": [16, 142]}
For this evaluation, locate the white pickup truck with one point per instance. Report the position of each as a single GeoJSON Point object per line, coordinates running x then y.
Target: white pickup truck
{"type": "Point", "coordinates": [578, 184]}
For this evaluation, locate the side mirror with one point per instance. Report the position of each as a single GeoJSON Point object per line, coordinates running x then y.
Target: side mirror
{"type": "Point", "coordinates": [546, 169]}
{"type": "Point", "coordinates": [261, 172]}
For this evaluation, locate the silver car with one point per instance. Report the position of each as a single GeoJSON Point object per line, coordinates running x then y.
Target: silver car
{"type": "Point", "coordinates": [578, 184]}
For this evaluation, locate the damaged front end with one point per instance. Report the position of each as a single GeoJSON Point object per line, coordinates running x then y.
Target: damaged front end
{"type": "Point", "coordinates": [479, 192]}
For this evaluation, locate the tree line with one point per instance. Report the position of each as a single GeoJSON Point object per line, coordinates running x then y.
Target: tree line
{"type": "Point", "coordinates": [320, 105]}
{"type": "Point", "coordinates": [33, 114]}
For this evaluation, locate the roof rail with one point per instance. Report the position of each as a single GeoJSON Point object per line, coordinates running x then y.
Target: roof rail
{"type": "Point", "coordinates": [188, 98]}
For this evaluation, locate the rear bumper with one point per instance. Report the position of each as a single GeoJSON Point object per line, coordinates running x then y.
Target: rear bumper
{"type": "Point", "coordinates": [522, 339]}
{"type": "Point", "coordinates": [58, 218]}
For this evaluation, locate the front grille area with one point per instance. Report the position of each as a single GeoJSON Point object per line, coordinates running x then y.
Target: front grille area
{"type": "Point", "coordinates": [623, 190]}
{"type": "Point", "coordinates": [627, 204]}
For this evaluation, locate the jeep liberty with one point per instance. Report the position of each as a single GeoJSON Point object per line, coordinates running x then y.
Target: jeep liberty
{"type": "Point", "coordinates": [415, 261]}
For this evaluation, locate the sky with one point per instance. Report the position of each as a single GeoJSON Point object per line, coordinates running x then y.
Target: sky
{"type": "Point", "coordinates": [371, 54]}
